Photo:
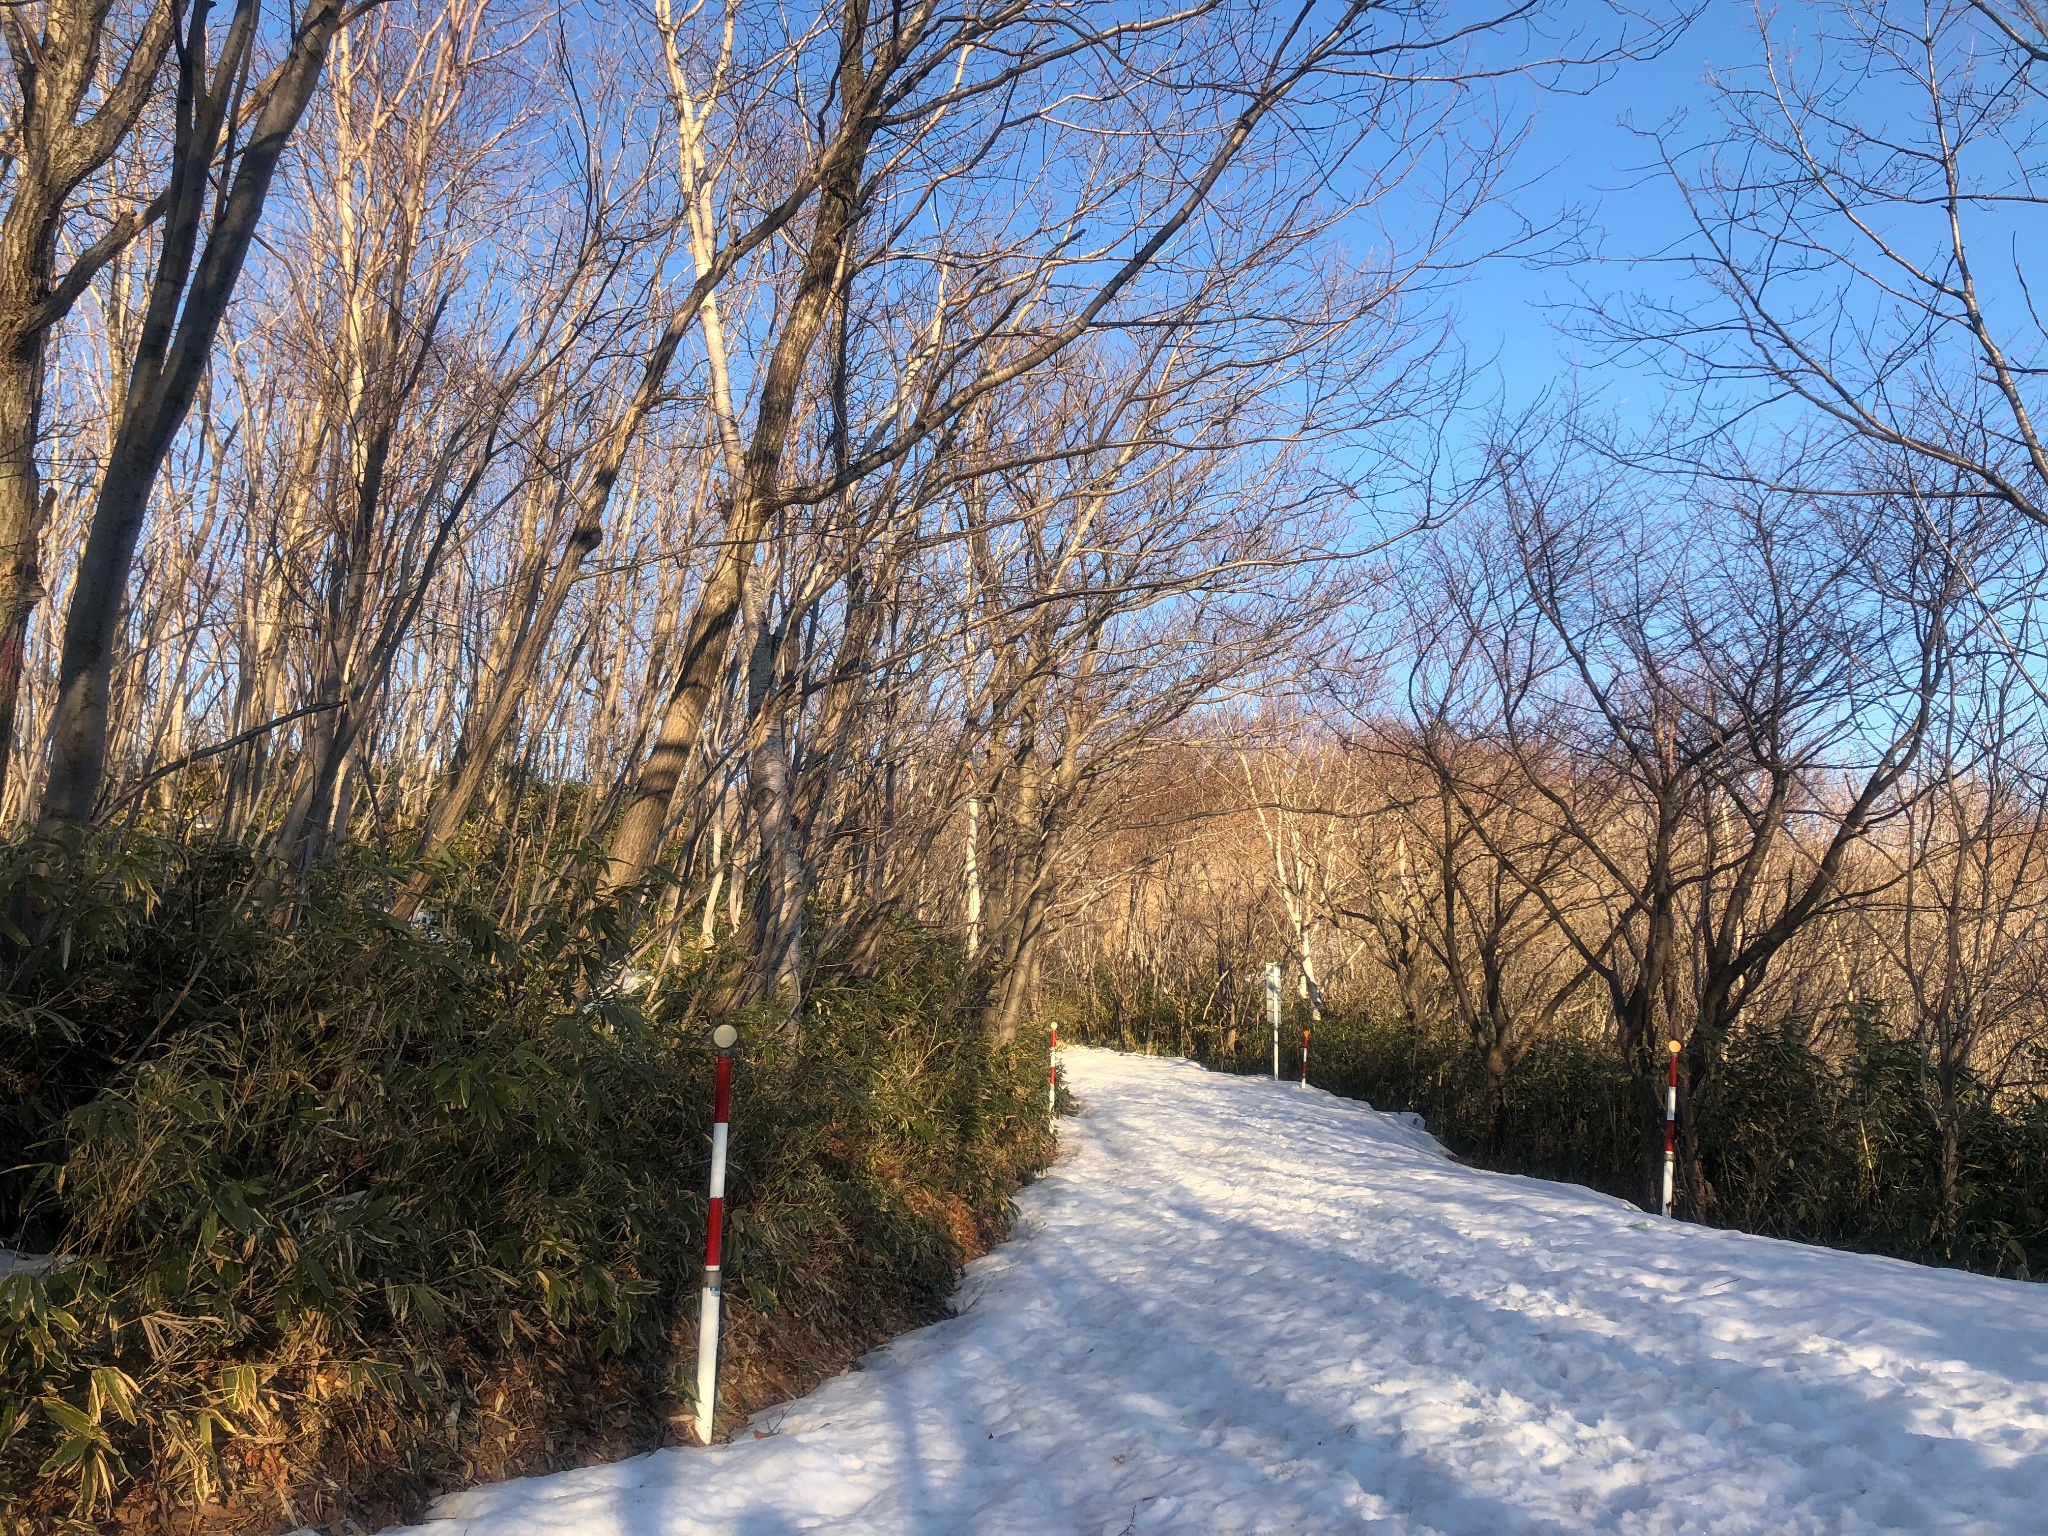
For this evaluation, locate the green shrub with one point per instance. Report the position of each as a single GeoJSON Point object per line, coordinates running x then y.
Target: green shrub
{"type": "Point", "coordinates": [371, 1206]}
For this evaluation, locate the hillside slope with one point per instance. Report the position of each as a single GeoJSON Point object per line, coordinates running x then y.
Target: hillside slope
{"type": "Point", "coordinates": [1238, 1306]}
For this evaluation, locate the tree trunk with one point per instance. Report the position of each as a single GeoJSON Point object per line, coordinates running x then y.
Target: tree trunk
{"type": "Point", "coordinates": [23, 512]}
{"type": "Point", "coordinates": [636, 839]}
{"type": "Point", "coordinates": [973, 875]}
{"type": "Point", "coordinates": [1017, 993]}
{"type": "Point", "coordinates": [175, 344]}
{"type": "Point", "coordinates": [52, 151]}
{"type": "Point", "coordinates": [776, 971]}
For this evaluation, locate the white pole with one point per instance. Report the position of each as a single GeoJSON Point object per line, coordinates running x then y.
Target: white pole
{"type": "Point", "coordinates": [1273, 1014]}
{"type": "Point", "coordinates": [1670, 1127]}
{"type": "Point", "coordinates": [724, 1037]}
{"type": "Point", "coordinates": [1052, 1082]}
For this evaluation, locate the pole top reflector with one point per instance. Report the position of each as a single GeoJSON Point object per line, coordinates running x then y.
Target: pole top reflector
{"type": "Point", "coordinates": [725, 1037]}
{"type": "Point", "coordinates": [1672, 1046]}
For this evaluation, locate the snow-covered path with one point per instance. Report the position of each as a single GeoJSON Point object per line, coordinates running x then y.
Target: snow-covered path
{"type": "Point", "coordinates": [1238, 1306]}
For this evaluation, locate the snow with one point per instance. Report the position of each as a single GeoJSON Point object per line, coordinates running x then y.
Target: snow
{"type": "Point", "coordinates": [1239, 1305]}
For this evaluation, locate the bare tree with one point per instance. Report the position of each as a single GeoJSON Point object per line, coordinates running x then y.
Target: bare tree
{"type": "Point", "coordinates": [1959, 918]}
{"type": "Point", "coordinates": [188, 297]}
{"type": "Point", "coordinates": [1466, 895]}
{"type": "Point", "coordinates": [66, 121]}
{"type": "Point", "coordinates": [1859, 243]}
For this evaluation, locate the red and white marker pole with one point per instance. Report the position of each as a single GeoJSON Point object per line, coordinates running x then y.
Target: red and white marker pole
{"type": "Point", "coordinates": [1671, 1128]}
{"type": "Point", "coordinates": [1304, 1058]}
{"type": "Point", "coordinates": [1052, 1082]}
{"type": "Point", "coordinates": [725, 1037]}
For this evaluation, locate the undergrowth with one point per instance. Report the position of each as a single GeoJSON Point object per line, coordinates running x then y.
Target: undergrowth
{"type": "Point", "coordinates": [346, 1211]}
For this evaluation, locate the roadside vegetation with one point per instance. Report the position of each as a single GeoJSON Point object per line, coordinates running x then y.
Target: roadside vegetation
{"type": "Point", "coordinates": [346, 1210]}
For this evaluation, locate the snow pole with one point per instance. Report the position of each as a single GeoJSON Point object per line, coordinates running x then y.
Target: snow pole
{"type": "Point", "coordinates": [1273, 1014]}
{"type": "Point", "coordinates": [724, 1037]}
{"type": "Point", "coordinates": [1670, 1127]}
{"type": "Point", "coordinates": [1052, 1082]}
{"type": "Point", "coordinates": [1304, 1056]}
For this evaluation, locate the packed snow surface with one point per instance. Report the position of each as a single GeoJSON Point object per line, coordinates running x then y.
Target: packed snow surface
{"type": "Point", "coordinates": [1236, 1305]}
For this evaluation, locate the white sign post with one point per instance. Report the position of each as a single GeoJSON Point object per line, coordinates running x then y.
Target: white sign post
{"type": "Point", "coordinates": [1273, 1014]}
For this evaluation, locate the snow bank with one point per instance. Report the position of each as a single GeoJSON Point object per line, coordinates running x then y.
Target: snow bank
{"type": "Point", "coordinates": [1238, 1306]}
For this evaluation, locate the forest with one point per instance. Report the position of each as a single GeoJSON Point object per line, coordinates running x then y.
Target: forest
{"type": "Point", "coordinates": [530, 529]}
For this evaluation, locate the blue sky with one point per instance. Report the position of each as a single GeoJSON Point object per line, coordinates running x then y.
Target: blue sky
{"type": "Point", "coordinates": [1583, 154]}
